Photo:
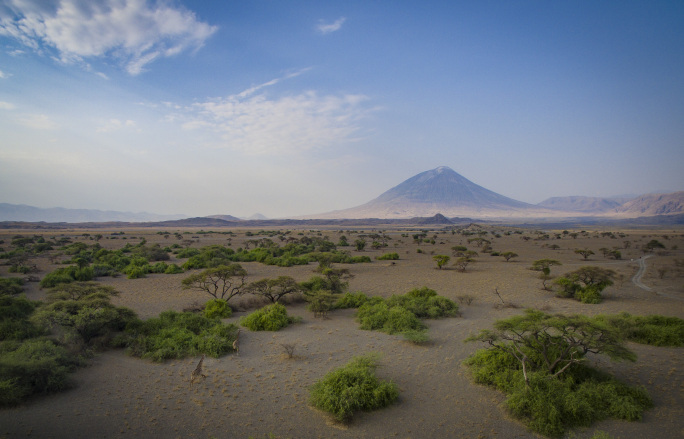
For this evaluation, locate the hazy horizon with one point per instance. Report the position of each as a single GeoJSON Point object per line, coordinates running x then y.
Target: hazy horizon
{"type": "Point", "coordinates": [296, 108]}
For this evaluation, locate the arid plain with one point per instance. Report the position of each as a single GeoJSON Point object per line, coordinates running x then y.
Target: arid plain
{"type": "Point", "coordinates": [262, 392]}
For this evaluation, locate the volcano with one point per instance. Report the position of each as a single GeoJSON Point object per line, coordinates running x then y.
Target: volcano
{"type": "Point", "coordinates": [440, 190]}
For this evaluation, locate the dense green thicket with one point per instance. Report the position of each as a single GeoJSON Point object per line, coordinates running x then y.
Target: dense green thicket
{"type": "Point", "coordinates": [217, 309]}
{"type": "Point", "coordinates": [177, 335]}
{"type": "Point", "coordinates": [550, 406]}
{"type": "Point", "coordinates": [388, 257]}
{"type": "Point", "coordinates": [537, 359]}
{"type": "Point", "coordinates": [401, 314]}
{"type": "Point", "coordinates": [269, 318]}
{"type": "Point", "coordinates": [654, 330]}
{"type": "Point", "coordinates": [351, 388]}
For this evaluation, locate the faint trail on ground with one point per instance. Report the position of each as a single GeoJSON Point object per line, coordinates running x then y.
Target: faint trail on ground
{"type": "Point", "coordinates": [639, 274]}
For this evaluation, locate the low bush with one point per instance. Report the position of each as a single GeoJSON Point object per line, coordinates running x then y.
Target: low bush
{"type": "Point", "coordinates": [389, 319]}
{"type": "Point", "coordinates": [217, 309]}
{"type": "Point", "coordinates": [269, 318]}
{"type": "Point", "coordinates": [177, 335]}
{"type": "Point", "coordinates": [425, 303]}
{"type": "Point", "coordinates": [388, 257]}
{"type": "Point", "coordinates": [11, 286]}
{"type": "Point", "coordinates": [351, 300]}
{"type": "Point", "coordinates": [30, 367]}
{"type": "Point", "coordinates": [654, 330]}
{"type": "Point", "coordinates": [173, 269]}
{"type": "Point", "coordinates": [67, 275]}
{"type": "Point", "coordinates": [351, 388]}
{"type": "Point", "coordinates": [14, 319]}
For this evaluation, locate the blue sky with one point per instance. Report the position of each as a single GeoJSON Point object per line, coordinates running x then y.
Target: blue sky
{"type": "Point", "coordinates": [297, 107]}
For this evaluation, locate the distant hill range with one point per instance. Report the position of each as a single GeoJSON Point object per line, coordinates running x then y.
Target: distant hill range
{"type": "Point", "coordinates": [22, 212]}
{"type": "Point", "coordinates": [438, 196]}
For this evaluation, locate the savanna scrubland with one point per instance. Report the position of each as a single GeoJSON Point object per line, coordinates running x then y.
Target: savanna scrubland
{"type": "Point", "coordinates": [265, 390]}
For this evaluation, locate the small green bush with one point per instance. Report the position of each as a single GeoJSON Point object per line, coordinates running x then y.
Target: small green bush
{"type": "Point", "coordinates": [389, 319]}
{"type": "Point", "coordinates": [217, 309]}
{"type": "Point", "coordinates": [351, 388]}
{"type": "Point", "coordinates": [388, 257]}
{"type": "Point", "coordinates": [269, 318]}
{"type": "Point", "coordinates": [173, 269]}
{"type": "Point", "coordinates": [654, 330]}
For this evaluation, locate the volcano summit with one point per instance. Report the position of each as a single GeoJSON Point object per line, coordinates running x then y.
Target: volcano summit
{"type": "Point", "coordinates": [440, 190]}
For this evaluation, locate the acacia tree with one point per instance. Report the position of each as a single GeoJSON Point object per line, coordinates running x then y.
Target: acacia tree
{"type": "Point", "coordinates": [441, 260]}
{"type": "Point", "coordinates": [273, 289]}
{"type": "Point", "coordinates": [544, 265]}
{"type": "Point", "coordinates": [586, 283]}
{"type": "Point", "coordinates": [222, 282]}
{"type": "Point", "coordinates": [462, 262]}
{"type": "Point", "coordinates": [360, 244]}
{"type": "Point", "coordinates": [553, 343]}
{"type": "Point", "coordinates": [509, 255]}
{"type": "Point", "coordinates": [585, 252]}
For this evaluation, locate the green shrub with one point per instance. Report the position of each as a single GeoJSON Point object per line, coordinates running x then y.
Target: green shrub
{"type": "Point", "coordinates": [177, 335]}
{"type": "Point", "coordinates": [11, 286]}
{"type": "Point", "coordinates": [67, 275]}
{"type": "Point", "coordinates": [136, 273]}
{"type": "Point", "coordinates": [269, 318]}
{"type": "Point", "coordinates": [217, 309]}
{"type": "Point", "coordinates": [173, 269]}
{"type": "Point", "coordinates": [351, 388]}
{"type": "Point", "coordinates": [14, 318]}
{"type": "Point", "coordinates": [549, 405]}
{"type": "Point", "coordinates": [388, 257]}
{"type": "Point", "coordinates": [351, 300]}
{"type": "Point", "coordinates": [30, 367]}
{"type": "Point", "coordinates": [425, 303]}
{"type": "Point", "coordinates": [391, 320]}
{"type": "Point", "coordinates": [654, 330]}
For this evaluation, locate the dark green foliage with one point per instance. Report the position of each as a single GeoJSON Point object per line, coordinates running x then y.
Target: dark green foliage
{"type": "Point", "coordinates": [551, 406]}
{"type": "Point", "coordinates": [425, 304]}
{"type": "Point", "coordinates": [351, 388]}
{"type": "Point", "coordinates": [585, 284]}
{"type": "Point", "coordinates": [654, 330]}
{"type": "Point", "coordinates": [83, 312]}
{"type": "Point", "coordinates": [217, 309]}
{"type": "Point", "coordinates": [388, 257]}
{"type": "Point", "coordinates": [351, 300]}
{"type": "Point", "coordinates": [173, 269]}
{"type": "Point", "coordinates": [14, 318]}
{"type": "Point", "coordinates": [269, 318]}
{"type": "Point", "coordinates": [67, 275]}
{"type": "Point", "coordinates": [30, 367]}
{"type": "Point", "coordinates": [389, 319]}
{"type": "Point", "coordinates": [178, 335]}
{"type": "Point", "coordinates": [10, 286]}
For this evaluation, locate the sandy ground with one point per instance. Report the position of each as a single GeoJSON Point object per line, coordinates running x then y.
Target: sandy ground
{"type": "Point", "coordinates": [262, 391]}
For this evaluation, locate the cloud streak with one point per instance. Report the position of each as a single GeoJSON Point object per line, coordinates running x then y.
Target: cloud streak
{"type": "Point", "coordinates": [326, 28]}
{"type": "Point", "coordinates": [255, 124]}
{"type": "Point", "coordinates": [132, 31]}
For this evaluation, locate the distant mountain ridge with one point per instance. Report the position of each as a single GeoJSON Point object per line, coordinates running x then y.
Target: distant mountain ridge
{"type": "Point", "coordinates": [653, 204]}
{"type": "Point", "coordinates": [581, 204]}
{"type": "Point", "coordinates": [22, 212]}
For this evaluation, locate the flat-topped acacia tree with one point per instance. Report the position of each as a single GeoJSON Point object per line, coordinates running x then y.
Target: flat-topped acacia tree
{"type": "Point", "coordinates": [222, 282]}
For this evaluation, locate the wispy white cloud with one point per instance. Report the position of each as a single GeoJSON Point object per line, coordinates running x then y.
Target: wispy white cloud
{"type": "Point", "coordinates": [38, 122]}
{"type": "Point", "coordinates": [326, 28]}
{"type": "Point", "coordinates": [4, 75]}
{"type": "Point", "coordinates": [6, 105]}
{"type": "Point", "coordinates": [136, 32]}
{"type": "Point", "coordinates": [115, 125]}
{"type": "Point", "coordinates": [254, 123]}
